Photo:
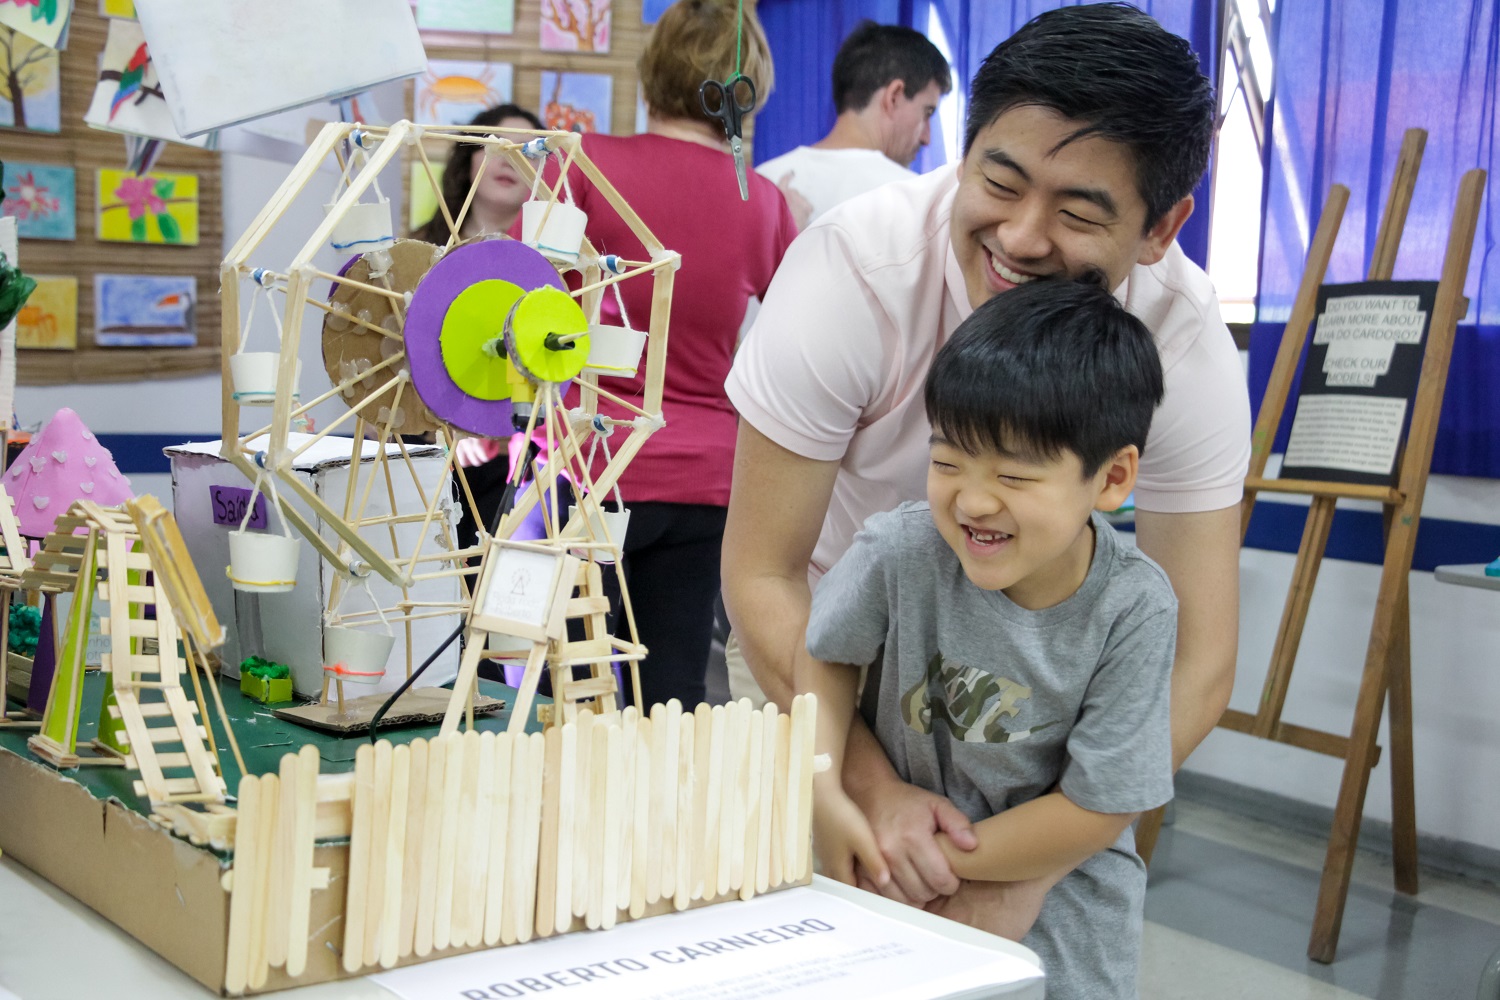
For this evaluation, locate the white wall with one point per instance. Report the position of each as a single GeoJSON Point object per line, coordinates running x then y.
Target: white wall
{"type": "Point", "coordinates": [1455, 682]}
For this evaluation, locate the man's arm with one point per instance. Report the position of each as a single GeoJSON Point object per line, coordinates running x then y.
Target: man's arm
{"type": "Point", "coordinates": [1200, 553]}
{"type": "Point", "coordinates": [776, 508]}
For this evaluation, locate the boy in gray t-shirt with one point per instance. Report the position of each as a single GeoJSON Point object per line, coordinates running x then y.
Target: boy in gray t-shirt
{"type": "Point", "coordinates": [1019, 655]}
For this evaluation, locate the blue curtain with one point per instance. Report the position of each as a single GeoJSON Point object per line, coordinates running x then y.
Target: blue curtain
{"type": "Point", "coordinates": [1351, 77]}
{"type": "Point", "coordinates": [805, 35]}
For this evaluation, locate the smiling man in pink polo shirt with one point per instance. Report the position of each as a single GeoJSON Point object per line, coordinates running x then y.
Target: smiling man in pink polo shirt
{"type": "Point", "coordinates": [1088, 130]}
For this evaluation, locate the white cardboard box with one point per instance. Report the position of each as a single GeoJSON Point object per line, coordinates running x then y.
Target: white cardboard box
{"type": "Point", "coordinates": [291, 622]}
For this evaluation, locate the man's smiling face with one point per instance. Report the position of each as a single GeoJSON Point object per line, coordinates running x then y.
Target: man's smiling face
{"type": "Point", "coordinates": [1032, 205]}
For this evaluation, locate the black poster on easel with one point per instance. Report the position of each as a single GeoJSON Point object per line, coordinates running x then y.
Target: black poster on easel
{"type": "Point", "coordinates": [1360, 381]}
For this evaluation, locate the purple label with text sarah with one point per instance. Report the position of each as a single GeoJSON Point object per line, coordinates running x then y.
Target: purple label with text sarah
{"type": "Point", "coordinates": [229, 506]}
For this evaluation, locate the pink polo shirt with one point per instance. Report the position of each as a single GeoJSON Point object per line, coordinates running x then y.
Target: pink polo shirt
{"type": "Point", "coordinates": [834, 366]}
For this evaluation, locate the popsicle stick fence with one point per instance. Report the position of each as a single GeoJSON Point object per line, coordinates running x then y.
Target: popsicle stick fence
{"type": "Point", "coordinates": [484, 839]}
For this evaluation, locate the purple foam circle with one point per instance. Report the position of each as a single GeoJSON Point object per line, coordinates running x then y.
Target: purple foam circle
{"type": "Point", "coordinates": [508, 260]}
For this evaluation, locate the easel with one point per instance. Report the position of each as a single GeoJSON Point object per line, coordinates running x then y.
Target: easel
{"type": "Point", "coordinates": [1388, 656]}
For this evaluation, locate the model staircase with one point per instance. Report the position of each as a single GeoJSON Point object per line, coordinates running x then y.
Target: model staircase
{"type": "Point", "coordinates": [166, 736]}
{"type": "Point", "coordinates": [597, 687]}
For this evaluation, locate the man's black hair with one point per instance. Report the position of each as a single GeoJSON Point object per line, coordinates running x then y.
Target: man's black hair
{"type": "Point", "coordinates": [875, 54]}
{"type": "Point", "coordinates": [1122, 76]}
{"type": "Point", "coordinates": [1052, 366]}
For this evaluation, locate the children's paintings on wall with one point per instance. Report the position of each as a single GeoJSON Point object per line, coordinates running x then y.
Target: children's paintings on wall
{"type": "Point", "coordinates": [156, 207]}
{"type": "Point", "coordinates": [575, 25]}
{"type": "Point", "coordinates": [652, 10]}
{"type": "Point", "coordinates": [30, 95]}
{"type": "Point", "coordinates": [117, 8]}
{"type": "Point", "coordinates": [227, 63]}
{"type": "Point", "coordinates": [128, 96]}
{"type": "Point", "coordinates": [577, 102]}
{"type": "Point", "coordinates": [452, 92]}
{"type": "Point", "coordinates": [41, 197]}
{"type": "Point", "coordinates": [145, 310]}
{"type": "Point", "coordinates": [488, 17]}
{"type": "Point", "coordinates": [43, 20]}
{"type": "Point", "coordinates": [49, 319]}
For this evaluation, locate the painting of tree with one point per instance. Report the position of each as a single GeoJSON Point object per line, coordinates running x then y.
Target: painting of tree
{"type": "Point", "coordinates": [29, 90]}
{"type": "Point", "coordinates": [575, 25]}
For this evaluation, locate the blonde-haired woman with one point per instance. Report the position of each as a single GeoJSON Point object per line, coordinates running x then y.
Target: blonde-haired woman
{"type": "Point", "coordinates": [679, 177]}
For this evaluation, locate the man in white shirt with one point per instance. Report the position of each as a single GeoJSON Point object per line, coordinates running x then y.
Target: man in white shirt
{"type": "Point", "coordinates": [887, 81]}
{"type": "Point", "coordinates": [1076, 157]}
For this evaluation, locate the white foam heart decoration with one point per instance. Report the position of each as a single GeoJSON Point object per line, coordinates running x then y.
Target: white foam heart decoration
{"type": "Point", "coordinates": [38, 462]}
{"type": "Point", "coordinates": [86, 487]}
{"type": "Point", "coordinates": [40, 503]}
{"type": "Point", "coordinates": [61, 456]}
{"type": "Point", "coordinates": [115, 473]}
{"type": "Point", "coordinates": [88, 435]}
{"type": "Point", "coordinates": [89, 460]}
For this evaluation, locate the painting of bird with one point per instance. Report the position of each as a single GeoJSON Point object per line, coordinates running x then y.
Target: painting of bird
{"type": "Point", "coordinates": [130, 79]}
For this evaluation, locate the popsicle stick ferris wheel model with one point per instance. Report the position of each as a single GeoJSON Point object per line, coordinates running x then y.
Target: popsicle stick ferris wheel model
{"type": "Point", "coordinates": [469, 338]}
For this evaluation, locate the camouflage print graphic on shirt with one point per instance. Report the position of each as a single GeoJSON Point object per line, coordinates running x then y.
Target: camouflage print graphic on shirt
{"type": "Point", "coordinates": [971, 701]}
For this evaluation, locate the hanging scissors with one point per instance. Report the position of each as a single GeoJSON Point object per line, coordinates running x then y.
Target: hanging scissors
{"type": "Point", "coordinates": [730, 102]}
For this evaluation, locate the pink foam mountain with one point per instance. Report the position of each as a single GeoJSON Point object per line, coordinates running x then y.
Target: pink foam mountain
{"type": "Point", "coordinates": [63, 463]}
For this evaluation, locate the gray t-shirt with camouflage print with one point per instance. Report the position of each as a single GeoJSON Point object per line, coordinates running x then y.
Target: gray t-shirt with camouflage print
{"type": "Point", "coordinates": [992, 705]}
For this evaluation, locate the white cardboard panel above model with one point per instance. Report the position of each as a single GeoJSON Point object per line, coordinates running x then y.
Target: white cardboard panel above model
{"type": "Point", "coordinates": [223, 64]}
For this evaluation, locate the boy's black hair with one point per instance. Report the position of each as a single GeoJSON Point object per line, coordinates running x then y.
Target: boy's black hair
{"type": "Point", "coordinates": [1122, 76]}
{"type": "Point", "coordinates": [875, 54]}
{"type": "Point", "coordinates": [1052, 366]}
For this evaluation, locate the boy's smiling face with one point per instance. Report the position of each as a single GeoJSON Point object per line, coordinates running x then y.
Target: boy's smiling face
{"type": "Point", "coordinates": [1020, 524]}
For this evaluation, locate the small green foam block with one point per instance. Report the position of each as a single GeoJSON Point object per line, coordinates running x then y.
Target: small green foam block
{"type": "Point", "coordinates": [269, 691]}
{"type": "Point", "coordinates": [1493, 569]}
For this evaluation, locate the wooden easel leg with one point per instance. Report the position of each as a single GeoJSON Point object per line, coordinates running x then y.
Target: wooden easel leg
{"type": "Point", "coordinates": [1403, 780]}
{"type": "Point", "coordinates": [1146, 832]}
{"type": "Point", "coordinates": [1294, 616]}
{"type": "Point", "coordinates": [1343, 839]}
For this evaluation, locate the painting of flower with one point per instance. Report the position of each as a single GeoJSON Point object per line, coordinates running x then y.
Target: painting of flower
{"type": "Point", "coordinates": [41, 198]}
{"type": "Point", "coordinates": [151, 208]}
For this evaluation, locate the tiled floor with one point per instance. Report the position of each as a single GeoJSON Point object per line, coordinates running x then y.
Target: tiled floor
{"type": "Point", "coordinates": [1230, 906]}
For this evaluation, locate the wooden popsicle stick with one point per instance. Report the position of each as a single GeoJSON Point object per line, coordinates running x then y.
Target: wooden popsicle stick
{"type": "Point", "coordinates": [302, 860]}
{"type": "Point", "coordinates": [669, 845]}
{"type": "Point", "coordinates": [791, 852]}
{"type": "Point", "coordinates": [280, 903]}
{"type": "Point", "coordinates": [520, 714]}
{"type": "Point", "coordinates": [567, 794]}
{"type": "Point", "coordinates": [614, 826]}
{"type": "Point", "coordinates": [242, 887]}
{"type": "Point", "coordinates": [395, 857]}
{"type": "Point", "coordinates": [583, 818]}
{"type": "Point", "coordinates": [656, 814]}
{"type": "Point", "coordinates": [515, 850]}
{"type": "Point", "coordinates": [270, 803]}
{"type": "Point", "coordinates": [805, 793]}
{"type": "Point", "coordinates": [597, 792]}
{"type": "Point", "coordinates": [629, 722]}
{"type": "Point", "coordinates": [483, 811]}
{"type": "Point", "coordinates": [526, 911]}
{"type": "Point", "coordinates": [453, 783]}
{"type": "Point", "coordinates": [432, 825]}
{"type": "Point", "coordinates": [411, 864]}
{"type": "Point", "coordinates": [703, 728]}
{"type": "Point", "coordinates": [731, 813]}
{"type": "Point", "coordinates": [641, 821]}
{"type": "Point", "coordinates": [767, 796]}
{"type": "Point", "coordinates": [495, 907]}
{"type": "Point", "coordinates": [546, 876]}
{"type": "Point", "coordinates": [749, 829]}
{"type": "Point", "coordinates": [362, 803]}
{"type": "Point", "coordinates": [380, 825]}
{"type": "Point", "coordinates": [718, 735]}
{"type": "Point", "coordinates": [463, 850]}
{"type": "Point", "coordinates": [778, 800]}
{"type": "Point", "coordinates": [686, 848]}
